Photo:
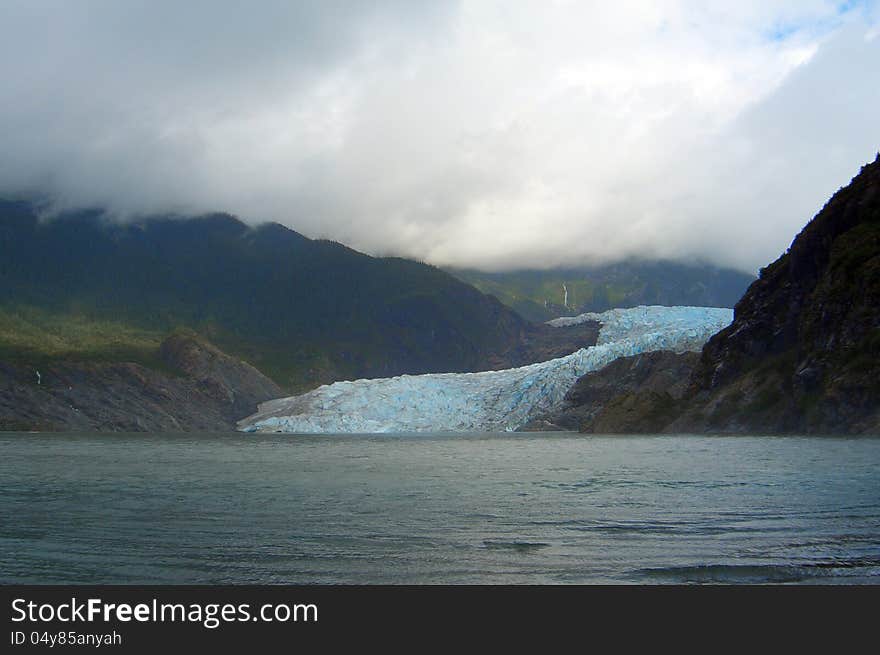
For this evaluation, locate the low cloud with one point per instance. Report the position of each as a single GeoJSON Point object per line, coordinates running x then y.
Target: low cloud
{"type": "Point", "coordinates": [489, 134]}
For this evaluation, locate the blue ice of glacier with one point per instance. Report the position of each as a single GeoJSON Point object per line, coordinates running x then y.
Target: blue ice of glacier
{"type": "Point", "coordinates": [488, 401]}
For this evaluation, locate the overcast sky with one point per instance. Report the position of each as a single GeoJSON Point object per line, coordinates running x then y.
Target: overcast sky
{"type": "Point", "coordinates": [489, 134]}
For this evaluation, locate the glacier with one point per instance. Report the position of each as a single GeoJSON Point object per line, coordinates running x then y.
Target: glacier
{"type": "Point", "coordinates": [488, 401]}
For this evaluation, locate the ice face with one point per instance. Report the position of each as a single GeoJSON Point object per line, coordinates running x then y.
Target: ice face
{"type": "Point", "coordinates": [491, 400]}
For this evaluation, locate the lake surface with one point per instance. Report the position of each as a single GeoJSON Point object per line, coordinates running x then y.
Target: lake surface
{"type": "Point", "coordinates": [531, 508]}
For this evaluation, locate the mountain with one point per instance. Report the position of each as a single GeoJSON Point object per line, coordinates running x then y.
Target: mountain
{"type": "Point", "coordinates": [83, 287]}
{"type": "Point", "coordinates": [541, 295]}
{"type": "Point", "coordinates": [803, 352]}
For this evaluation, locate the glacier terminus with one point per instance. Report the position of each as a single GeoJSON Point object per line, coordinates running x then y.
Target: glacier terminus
{"type": "Point", "coordinates": [488, 401]}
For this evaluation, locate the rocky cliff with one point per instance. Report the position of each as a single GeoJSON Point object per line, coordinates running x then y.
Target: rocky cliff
{"type": "Point", "coordinates": [803, 352]}
{"type": "Point", "coordinates": [631, 394]}
{"type": "Point", "coordinates": [201, 388]}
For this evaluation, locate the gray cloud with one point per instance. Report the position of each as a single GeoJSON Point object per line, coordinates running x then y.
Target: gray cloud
{"type": "Point", "coordinates": [476, 133]}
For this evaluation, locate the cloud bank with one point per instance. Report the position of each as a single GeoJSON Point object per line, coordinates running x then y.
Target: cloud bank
{"type": "Point", "coordinates": [486, 134]}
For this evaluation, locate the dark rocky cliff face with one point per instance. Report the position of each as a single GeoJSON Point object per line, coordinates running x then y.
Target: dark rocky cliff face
{"type": "Point", "coordinates": [631, 394]}
{"type": "Point", "coordinates": [201, 389]}
{"type": "Point", "coordinates": [803, 351]}
{"type": "Point", "coordinates": [236, 386]}
{"type": "Point", "coordinates": [801, 356]}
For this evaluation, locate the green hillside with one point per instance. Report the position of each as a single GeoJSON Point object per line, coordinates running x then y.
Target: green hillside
{"type": "Point", "coordinates": [303, 311]}
{"type": "Point", "coordinates": [540, 295]}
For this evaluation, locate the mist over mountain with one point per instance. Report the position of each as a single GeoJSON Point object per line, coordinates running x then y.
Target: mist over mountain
{"type": "Point", "coordinates": [492, 135]}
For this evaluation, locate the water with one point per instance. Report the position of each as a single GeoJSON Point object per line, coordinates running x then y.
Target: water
{"type": "Point", "coordinates": [533, 508]}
